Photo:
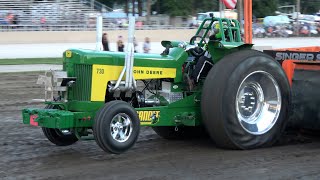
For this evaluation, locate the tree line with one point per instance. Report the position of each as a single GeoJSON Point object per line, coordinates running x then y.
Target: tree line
{"type": "Point", "coordinates": [260, 8]}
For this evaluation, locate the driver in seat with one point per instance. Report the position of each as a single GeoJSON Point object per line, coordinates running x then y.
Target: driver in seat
{"type": "Point", "coordinates": [204, 63]}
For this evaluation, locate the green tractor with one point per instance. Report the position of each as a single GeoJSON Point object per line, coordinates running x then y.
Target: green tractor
{"type": "Point", "coordinates": [214, 83]}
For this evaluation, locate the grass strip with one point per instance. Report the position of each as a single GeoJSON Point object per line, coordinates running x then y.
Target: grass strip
{"type": "Point", "coordinates": [24, 61]}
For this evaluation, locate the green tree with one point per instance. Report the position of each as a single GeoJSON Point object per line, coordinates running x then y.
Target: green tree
{"type": "Point", "coordinates": [262, 8]}
{"type": "Point", "coordinates": [310, 6]}
{"type": "Point", "coordinates": [205, 6]}
{"type": "Point", "coordinates": [306, 6]}
{"type": "Point", "coordinates": [178, 7]}
{"type": "Point", "coordinates": [184, 7]}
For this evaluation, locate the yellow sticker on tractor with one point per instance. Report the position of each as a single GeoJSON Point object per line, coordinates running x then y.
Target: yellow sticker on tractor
{"type": "Point", "coordinates": [102, 74]}
{"type": "Point", "coordinates": [148, 117]}
{"type": "Point", "coordinates": [68, 54]}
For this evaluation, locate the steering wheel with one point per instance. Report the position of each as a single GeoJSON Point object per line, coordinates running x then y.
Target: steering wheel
{"type": "Point", "coordinates": [197, 51]}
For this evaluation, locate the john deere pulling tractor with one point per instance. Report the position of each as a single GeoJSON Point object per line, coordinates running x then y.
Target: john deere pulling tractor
{"type": "Point", "coordinates": [216, 82]}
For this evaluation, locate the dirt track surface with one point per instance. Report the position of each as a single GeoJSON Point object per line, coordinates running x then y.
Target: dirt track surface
{"type": "Point", "coordinates": [26, 154]}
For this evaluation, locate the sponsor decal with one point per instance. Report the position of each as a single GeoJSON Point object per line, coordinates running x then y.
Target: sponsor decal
{"type": "Point", "coordinates": [294, 55]}
{"type": "Point", "coordinates": [148, 117]}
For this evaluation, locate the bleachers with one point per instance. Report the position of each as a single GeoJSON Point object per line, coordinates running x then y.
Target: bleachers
{"type": "Point", "coordinates": [54, 11]}
{"type": "Point", "coordinates": [65, 15]}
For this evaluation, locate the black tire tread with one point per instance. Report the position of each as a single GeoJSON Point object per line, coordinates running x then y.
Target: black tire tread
{"type": "Point", "coordinates": [99, 130]}
{"type": "Point", "coordinates": [59, 139]}
{"type": "Point", "coordinates": [213, 102]}
{"type": "Point", "coordinates": [56, 137]}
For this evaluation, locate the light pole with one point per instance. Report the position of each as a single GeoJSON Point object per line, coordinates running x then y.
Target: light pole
{"type": "Point", "coordinates": [240, 12]}
{"type": "Point", "coordinates": [221, 8]}
{"type": "Point", "coordinates": [297, 18]}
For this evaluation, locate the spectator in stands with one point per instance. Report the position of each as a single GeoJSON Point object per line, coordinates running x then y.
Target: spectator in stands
{"type": "Point", "coordinates": [43, 22]}
{"type": "Point", "coordinates": [105, 42]}
{"type": "Point", "coordinates": [124, 23]}
{"type": "Point", "coordinates": [135, 45]}
{"type": "Point", "coordinates": [9, 18]}
{"type": "Point", "coordinates": [15, 21]}
{"type": "Point", "coordinates": [3, 20]}
{"type": "Point", "coordinates": [139, 24]}
{"type": "Point", "coordinates": [120, 44]}
{"type": "Point", "coordinates": [119, 23]}
{"type": "Point", "coordinates": [146, 45]}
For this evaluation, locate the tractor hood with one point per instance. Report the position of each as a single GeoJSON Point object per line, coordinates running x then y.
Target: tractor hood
{"type": "Point", "coordinates": [174, 59]}
{"type": "Point", "coordinates": [94, 69]}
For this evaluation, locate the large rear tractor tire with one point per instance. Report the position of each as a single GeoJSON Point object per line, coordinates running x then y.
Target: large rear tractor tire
{"type": "Point", "coordinates": [245, 101]}
{"type": "Point", "coordinates": [57, 136]}
{"type": "Point", "coordinates": [116, 127]}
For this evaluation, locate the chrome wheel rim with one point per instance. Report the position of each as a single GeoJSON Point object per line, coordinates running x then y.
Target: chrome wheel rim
{"type": "Point", "coordinates": [121, 127]}
{"type": "Point", "coordinates": [258, 102]}
{"type": "Point", "coordinates": [63, 132]}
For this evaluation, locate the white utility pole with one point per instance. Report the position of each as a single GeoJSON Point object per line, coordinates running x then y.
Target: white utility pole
{"type": "Point", "coordinates": [99, 24]}
{"type": "Point", "coordinates": [221, 8]}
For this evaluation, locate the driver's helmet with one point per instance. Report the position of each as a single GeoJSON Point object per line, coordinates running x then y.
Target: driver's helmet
{"type": "Point", "coordinates": [215, 33]}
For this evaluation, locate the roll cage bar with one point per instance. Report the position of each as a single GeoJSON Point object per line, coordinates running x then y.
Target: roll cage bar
{"type": "Point", "coordinates": [228, 28]}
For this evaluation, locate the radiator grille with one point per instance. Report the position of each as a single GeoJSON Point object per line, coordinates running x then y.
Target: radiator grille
{"type": "Point", "coordinates": [82, 88]}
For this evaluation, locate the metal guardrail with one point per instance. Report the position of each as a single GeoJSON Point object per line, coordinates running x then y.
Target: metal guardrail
{"type": "Point", "coordinates": [78, 27]}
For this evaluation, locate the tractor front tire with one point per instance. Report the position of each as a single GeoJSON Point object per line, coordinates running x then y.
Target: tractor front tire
{"type": "Point", "coordinates": [245, 101]}
{"type": "Point", "coordinates": [57, 136]}
{"type": "Point", "coordinates": [116, 127]}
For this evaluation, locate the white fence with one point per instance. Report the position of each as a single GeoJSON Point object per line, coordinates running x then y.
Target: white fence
{"type": "Point", "coordinates": [79, 27]}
